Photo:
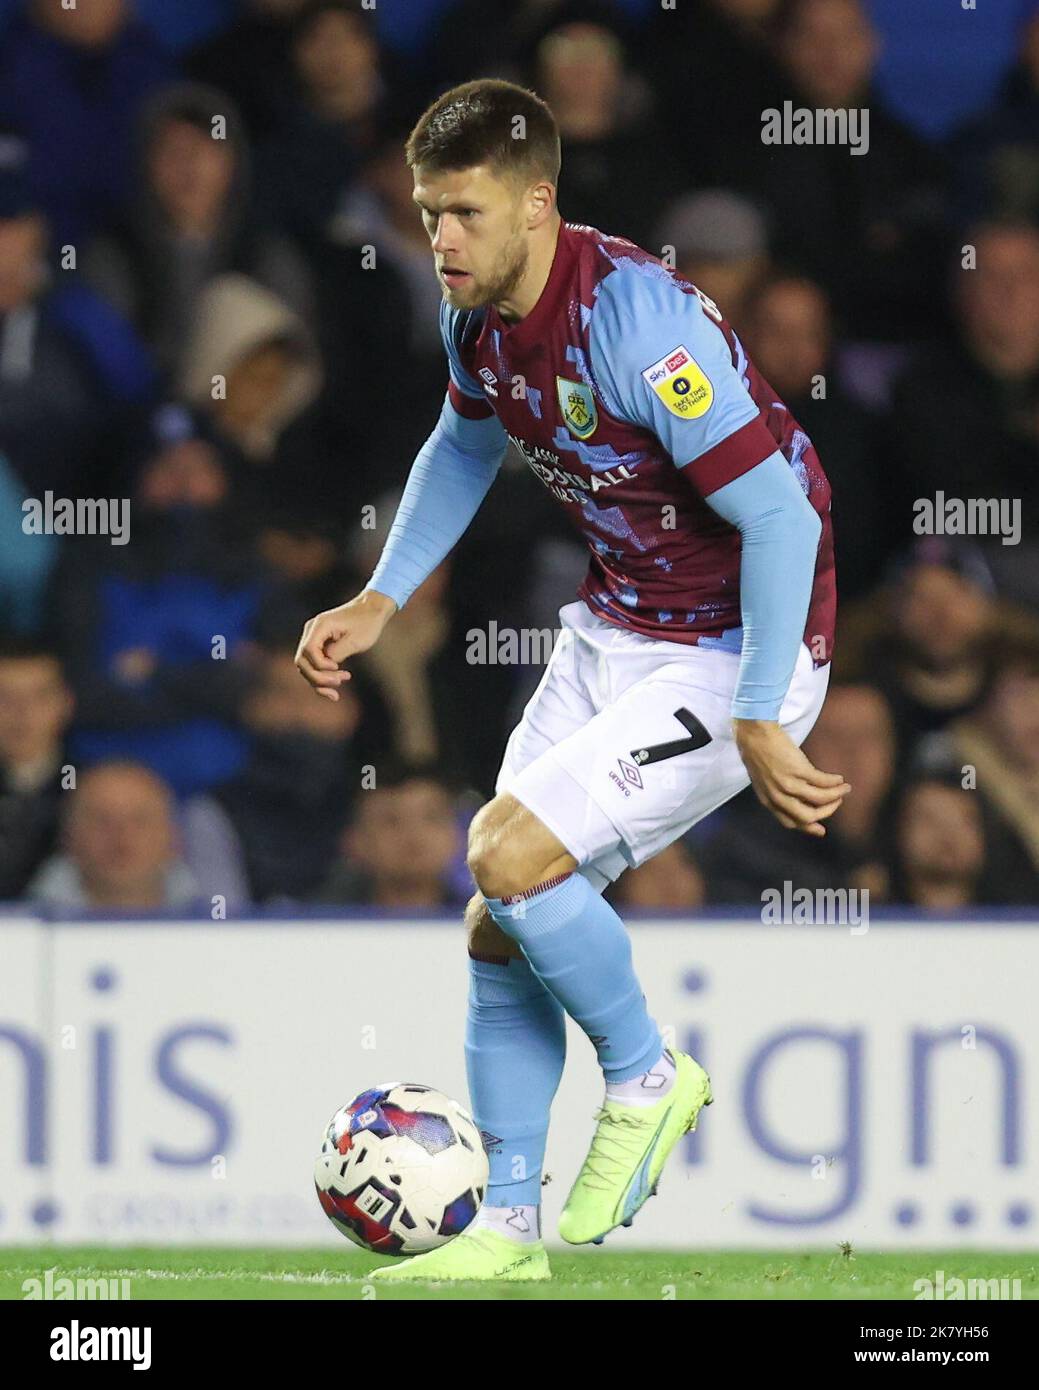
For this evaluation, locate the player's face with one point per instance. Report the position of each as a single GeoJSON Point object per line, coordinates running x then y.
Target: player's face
{"type": "Point", "coordinates": [477, 230]}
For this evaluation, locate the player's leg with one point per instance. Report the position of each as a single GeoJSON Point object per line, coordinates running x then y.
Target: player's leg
{"type": "Point", "coordinates": [515, 1047]}
{"type": "Point", "coordinates": [573, 939]}
{"type": "Point", "coordinates": [657, 759]}
{"type": "Point", "coordinates": [515, 1030]}
{"type": "Point", "coordinates": [515, 1035]}
{"type": "Point", "coordinates": [578, 947]}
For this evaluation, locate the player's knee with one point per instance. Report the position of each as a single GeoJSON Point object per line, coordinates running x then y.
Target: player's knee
{"type": "Point", "coordinates": [498, 857]}
{"type": "Point", "coordinates": [486, 939]}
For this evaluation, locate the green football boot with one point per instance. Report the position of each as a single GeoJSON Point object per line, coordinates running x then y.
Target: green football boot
{"type": "Point", "coordinates": [628, 1153]}
{"type": "Point", "coordinates": [482, 1254]}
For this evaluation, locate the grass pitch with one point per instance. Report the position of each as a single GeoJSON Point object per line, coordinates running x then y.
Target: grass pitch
{"type": "Point", "coordinates": [212, 1273]}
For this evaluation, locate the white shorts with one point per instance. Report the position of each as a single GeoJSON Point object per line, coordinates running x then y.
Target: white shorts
{"type": "Point", "coordinates": [594, 756]}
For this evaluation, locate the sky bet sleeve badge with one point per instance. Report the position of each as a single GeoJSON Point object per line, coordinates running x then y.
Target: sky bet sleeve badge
{"type": "Point", "coordinates": [578, 406]}
{"type": "Point", "coordinates": [681, 384]}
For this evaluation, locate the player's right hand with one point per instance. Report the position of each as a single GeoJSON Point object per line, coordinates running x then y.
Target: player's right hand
{"type": "Point", "coordinates": [331, 637]}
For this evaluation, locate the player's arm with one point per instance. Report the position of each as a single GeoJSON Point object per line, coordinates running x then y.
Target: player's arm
{"type": "Point", "coordinates": [779, 530]}
{"type": "Point", "coordinates": [713, 431]}
{"type": "Point", "coordinates": [448, 481]}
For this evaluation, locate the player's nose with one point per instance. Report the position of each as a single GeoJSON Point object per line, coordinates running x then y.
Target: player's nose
{"type": "Point", "coordinates": [444, 244]}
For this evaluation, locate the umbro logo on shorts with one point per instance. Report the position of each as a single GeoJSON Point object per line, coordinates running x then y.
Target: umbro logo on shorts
{"type": "Point", "coordinates": [631, 774]}
{"type": "Point", "coordinates": [631, 777]}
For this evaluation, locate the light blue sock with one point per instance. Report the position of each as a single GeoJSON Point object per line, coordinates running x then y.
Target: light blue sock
{"type": "Point", "coordinates": [515, 1046]}
{"type": "Point", "coordinates": [579, 949]}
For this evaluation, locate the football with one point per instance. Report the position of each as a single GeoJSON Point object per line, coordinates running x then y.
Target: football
{"type": "Point", "coordinates": [401, 1170]}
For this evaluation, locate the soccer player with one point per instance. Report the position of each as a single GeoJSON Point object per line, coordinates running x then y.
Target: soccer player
{"type": "Point", "coordinates": [696, 660]}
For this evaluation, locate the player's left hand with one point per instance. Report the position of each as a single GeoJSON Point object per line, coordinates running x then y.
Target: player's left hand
{"type": "Point", "coordinates": [784, 780]}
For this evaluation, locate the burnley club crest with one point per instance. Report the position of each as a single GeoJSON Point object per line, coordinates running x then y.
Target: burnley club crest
{"type": "Point", "coordinates": [578, 406]}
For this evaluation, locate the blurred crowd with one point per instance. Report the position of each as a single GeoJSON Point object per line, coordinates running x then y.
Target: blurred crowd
{"type": "Point", "coordinates": [217, 301]}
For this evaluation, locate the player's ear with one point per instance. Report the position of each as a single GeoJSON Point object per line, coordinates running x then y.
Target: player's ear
{"type": "Point", "coordinates": [541, 199]}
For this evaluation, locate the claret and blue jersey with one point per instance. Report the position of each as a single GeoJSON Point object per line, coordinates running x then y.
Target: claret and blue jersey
{"type": "Point", "coordinates": [632, 399]}
{"type": "Point", "coordinates": [635, 404]}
